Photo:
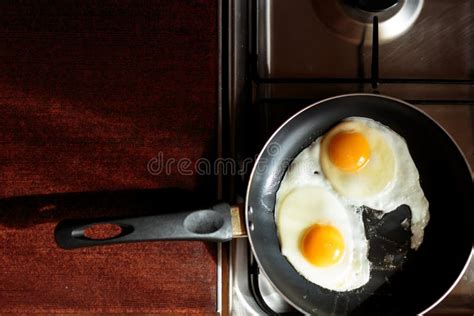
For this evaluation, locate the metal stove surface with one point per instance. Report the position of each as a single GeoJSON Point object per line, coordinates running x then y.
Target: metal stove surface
{"type": "Point", "coordinates": [282, 56]}
{"type": "Point", "coordinates": [297, 40]}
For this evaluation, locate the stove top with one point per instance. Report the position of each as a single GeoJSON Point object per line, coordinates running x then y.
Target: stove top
{"type": "Point", "coordinates": [280, 56]}
{"type": "Point", "coordinates": [322, 39]}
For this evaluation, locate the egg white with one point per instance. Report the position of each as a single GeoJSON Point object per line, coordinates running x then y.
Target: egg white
{"type": "Point", "coordinates": [306, 175]}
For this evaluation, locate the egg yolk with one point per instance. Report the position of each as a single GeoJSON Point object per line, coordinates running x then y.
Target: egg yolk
{"type": "Point", "coordinates": [322, 245]}
{"type": "Point", "coordinates": [349, 151]}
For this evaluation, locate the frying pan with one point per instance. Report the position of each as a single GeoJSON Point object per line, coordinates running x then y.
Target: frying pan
{"type": "Point", "coordinates": [413, 282]}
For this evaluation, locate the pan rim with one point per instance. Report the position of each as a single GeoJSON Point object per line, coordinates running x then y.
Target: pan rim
{"type": "Point", "coordinates": [270, 139]}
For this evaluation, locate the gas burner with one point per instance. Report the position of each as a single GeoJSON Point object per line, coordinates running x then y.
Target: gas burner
{"type": "Point", "coordinates": [373, 5]}
{"type": "Point", "coordinates": [352, 19]}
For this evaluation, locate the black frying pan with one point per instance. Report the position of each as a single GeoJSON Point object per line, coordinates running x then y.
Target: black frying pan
{"type": "Point", "coordinates": [413, 282]}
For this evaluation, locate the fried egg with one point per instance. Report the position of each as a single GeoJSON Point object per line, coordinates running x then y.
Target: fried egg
{"type": "Point", "coordinates": [370, 165]}
{"type": "Point", "coordinates": [357, 159]}
{"type": "Point", "coordinates": [322, 238]}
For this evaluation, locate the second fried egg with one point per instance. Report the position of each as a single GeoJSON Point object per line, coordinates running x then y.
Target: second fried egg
{"type": "Point", "coordinates": [322, 237]}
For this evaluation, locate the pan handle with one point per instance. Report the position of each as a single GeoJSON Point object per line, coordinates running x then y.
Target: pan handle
{"type": "Point", "coordinates": [213, 224]}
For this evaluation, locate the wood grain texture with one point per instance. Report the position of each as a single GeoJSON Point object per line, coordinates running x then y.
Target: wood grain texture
{"type": "Point", "coordinates": [90, 91]}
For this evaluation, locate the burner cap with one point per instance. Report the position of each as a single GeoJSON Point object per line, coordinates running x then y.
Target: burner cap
{"type": "Point", "coordinates": [373, 5]}
{"type": "Point", "coordinates": [352, 19]}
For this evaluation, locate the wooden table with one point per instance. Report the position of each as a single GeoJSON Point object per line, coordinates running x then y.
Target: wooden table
{"type": "Point", "coordinates": [90, 91]}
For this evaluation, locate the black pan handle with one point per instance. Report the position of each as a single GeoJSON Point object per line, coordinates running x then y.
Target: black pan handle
{"type": "Point", "coordinates": [213, 224]}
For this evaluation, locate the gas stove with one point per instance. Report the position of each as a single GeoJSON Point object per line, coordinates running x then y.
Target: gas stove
{"type": "Point", "coordinates": [279, 56]}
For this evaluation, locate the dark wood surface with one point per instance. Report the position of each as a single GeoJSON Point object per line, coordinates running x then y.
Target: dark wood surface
{"type": "Point", "coordinates": [90, 91]}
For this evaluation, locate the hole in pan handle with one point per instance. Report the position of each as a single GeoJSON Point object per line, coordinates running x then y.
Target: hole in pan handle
{"type": "Point", "coordinates": [216, 224]}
